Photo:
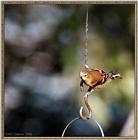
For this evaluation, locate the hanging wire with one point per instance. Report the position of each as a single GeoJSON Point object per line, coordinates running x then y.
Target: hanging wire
{"type": "Point", "coordinates": [86, 41]}
{"type": "Point", "coordinates": [85, 98]}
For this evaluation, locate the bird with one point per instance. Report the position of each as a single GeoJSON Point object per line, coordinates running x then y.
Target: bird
{"type": "Point", "coordinates": [95, 78]}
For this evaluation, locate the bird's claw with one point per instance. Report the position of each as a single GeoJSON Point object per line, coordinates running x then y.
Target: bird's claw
{"type": "Point", "coordinates": [81, 89]}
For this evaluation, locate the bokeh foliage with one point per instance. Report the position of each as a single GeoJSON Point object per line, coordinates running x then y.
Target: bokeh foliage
{"type": "Point", "coordinates": [43, 54]}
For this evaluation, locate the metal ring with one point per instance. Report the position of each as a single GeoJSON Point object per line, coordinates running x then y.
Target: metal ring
{"type": "Point", "coordinates": [77, 118]}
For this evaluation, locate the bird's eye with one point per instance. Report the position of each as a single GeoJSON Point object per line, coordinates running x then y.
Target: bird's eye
{"type": "Point", "coordinates": [85, 75]}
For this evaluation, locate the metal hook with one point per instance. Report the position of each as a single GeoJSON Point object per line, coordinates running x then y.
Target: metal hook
{"type": "Point", "coordinates": [85, 98]}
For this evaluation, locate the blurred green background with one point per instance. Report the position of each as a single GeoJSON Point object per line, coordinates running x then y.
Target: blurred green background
{"type": "Point", "coordinates": [43, 55]}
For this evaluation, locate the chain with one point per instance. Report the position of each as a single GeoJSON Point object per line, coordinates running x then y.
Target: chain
{"type": "Point", "coordinates": [86, 40]}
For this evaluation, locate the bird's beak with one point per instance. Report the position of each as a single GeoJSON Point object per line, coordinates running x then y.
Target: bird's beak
{"type": "Point", "coordinates": [120, 77]}
{"type": "Point", "coordinates": [117, 76]}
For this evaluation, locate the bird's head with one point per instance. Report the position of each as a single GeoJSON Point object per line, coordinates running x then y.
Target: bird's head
{"type": "Point", "coordinates": [115, 75]}
{"type": "Point", "coordinates": [84, 75]}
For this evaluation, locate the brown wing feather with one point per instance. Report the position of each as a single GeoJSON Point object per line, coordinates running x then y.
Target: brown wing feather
{"type": "Point", "coordinates": [95, 76]}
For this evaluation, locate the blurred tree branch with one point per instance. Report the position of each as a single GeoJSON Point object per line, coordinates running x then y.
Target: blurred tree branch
{"type": "Point", "coordinates": [128, 128]}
